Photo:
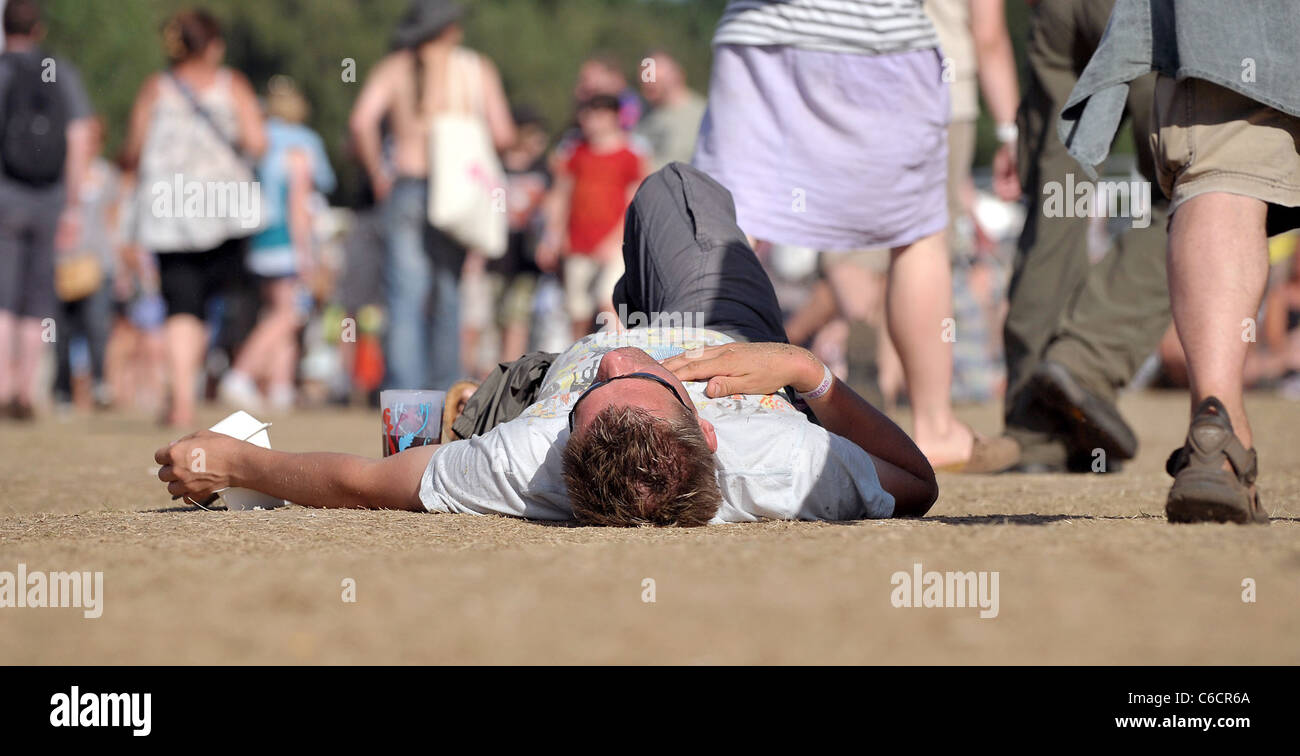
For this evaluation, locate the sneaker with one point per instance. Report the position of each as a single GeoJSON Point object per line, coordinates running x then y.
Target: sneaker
{"type": "Point", "coordinates": [1094, 422]}
{"type": "Point", "coordinates": [1203, 490]}
{"type": "Point", "coordinates": [238, 391]}
{"type": "Point", "coordinates": [281, 398]}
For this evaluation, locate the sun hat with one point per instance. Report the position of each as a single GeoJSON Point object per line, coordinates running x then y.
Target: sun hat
{"type": "Point", "coordinates": [424, 20]}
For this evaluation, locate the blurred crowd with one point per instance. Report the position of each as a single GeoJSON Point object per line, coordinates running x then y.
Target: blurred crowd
{"type": "Point", "coordinates": [118, 274]}
{"type": "Point", "coordinates": [155, 308]}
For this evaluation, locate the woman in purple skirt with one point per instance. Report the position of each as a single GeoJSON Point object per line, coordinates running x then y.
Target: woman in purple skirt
{"type": "Point", "coordinates": [827, 120]}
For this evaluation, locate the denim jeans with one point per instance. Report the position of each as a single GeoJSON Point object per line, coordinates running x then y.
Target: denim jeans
{"type": "Point", "coordinates": [90, 318]}
{"type": "Point", "coordinates": [423, 281]}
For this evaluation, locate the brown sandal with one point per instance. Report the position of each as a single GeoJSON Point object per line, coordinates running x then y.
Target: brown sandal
{"type": "Point", "coordinates": [1203, 491]}
{"type": "Point", "coordinates": [988, 455]}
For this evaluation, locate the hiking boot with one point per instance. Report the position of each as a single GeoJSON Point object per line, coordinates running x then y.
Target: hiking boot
{"type": "Point", "coordinates": [1094, 422]}
{"type": "Point", "coordinates": [1203, 490]}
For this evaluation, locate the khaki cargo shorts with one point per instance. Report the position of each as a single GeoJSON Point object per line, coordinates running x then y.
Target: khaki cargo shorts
{"type": "Point", "coordinates": [1208, 138]}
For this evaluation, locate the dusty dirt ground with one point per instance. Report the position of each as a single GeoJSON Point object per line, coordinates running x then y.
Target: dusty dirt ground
{"type": "Point", "coordinates": [1090, 572]}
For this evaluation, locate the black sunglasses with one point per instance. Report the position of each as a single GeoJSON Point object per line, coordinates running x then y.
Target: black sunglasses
{"type": "Point", "coordinates": [640, 376]}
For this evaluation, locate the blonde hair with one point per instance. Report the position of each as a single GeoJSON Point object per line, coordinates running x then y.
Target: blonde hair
{"type": "Point", "coordinates": [285, 101]}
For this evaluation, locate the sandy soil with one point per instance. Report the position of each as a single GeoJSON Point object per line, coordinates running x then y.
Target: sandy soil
{"type": "Point", "coordinates": [1089, 571]}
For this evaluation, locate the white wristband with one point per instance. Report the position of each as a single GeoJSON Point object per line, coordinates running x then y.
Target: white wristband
{"type": "Point", "coordinates": [820, 391]}
{"type": "Point", "coordinates": [1008, 133]}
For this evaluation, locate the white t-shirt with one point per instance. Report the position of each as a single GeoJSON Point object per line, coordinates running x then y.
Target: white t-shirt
{"type": "Point", "coordinates": [772, 463]}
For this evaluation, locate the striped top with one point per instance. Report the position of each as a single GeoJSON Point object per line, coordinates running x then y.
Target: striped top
{"type": "Point", "coordinates": [870, 27]}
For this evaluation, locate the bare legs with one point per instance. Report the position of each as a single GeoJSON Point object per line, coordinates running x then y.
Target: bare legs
{"type": "Point", "coordinates": [860, 295]}
{"type": "Point", "coordinates": [1218, 268]}
{"type": "Point", "coordinates": [21, 344]}
{"type": "Point", "coordinates": [271, 351]}
{"type": "Point", "coordinates": [187, 343]}
{"type": "Point", "coordinates": [918, 305]}
{"type": "Point", "coordinates": [8, 335]}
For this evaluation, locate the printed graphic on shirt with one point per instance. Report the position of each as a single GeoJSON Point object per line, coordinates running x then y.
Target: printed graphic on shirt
{"type": "Point", "coordinates": [575, 370]}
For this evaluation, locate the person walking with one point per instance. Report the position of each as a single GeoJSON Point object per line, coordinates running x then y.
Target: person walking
{"type": "Point", "coordinates": [45, 151]}
{"type": "Point", "coordinates": [1226, 128]}
{"type": "Point", "coordinates": [827, 120]}
{"type": "Point", "coordinates": [408, 88]}
{"type": "Point", "coordinates": [293, 169]}
{"type": "Point", "coordinates": [1076, 332]}
{"type": "Point", "coordinates": [197, 124]}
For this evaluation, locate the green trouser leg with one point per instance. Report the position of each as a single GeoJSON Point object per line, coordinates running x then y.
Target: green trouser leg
{"type": "Point", "coordinates": [1121, 313]}
{"type": "Point", "coordinates": [1101, 320]}
{"type": "Point", "coordinates": [1052, 256]}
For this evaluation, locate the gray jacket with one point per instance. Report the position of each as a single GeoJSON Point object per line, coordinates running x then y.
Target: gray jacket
{"type": "Point", "coordinates": [1249, 46]}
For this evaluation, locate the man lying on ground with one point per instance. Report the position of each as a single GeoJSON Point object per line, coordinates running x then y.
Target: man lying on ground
{"type": "Point", "coordinates": [669, 424]}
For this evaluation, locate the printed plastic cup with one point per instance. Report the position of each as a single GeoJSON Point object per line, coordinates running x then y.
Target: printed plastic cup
{"type": "Point", "coordinates": [411, 419]}
{"type": "Point", "coordinates": [245, 427]}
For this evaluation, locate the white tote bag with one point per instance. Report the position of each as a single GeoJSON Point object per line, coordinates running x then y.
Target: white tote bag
{"type": "Point", "coordinates": [467, 196]}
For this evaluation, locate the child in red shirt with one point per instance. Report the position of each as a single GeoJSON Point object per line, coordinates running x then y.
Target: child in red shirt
{"type": "Point", "coordinates": [596, 182]}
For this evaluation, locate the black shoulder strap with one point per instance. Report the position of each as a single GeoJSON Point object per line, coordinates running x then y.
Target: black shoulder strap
{"type": "Point", "coordinates": [207, 118]}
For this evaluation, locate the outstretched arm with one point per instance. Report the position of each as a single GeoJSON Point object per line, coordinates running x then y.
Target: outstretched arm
{"type": "Point", "coordinates": [766, 368]}
{"type": "Point", "coordinates": [203, 463]}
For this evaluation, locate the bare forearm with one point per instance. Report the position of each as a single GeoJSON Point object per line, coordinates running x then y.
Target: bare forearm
{"type": "Point", "coordinates": [902, 468]}
{"type": "Point", "coordinates": [557, 209]}
{"type": "Point", "coordinates": [765, 368]}
{"type": "Point", "coordinates": [843, 412]}
{"type": "Point", "coordinates": [995, 59]}
{"type": "Point", "coordinates": [370, 153]}
{"type": "Point", "coordinates": [335, 481]}
{"type": "Point", "coordinates": [998, 81]}
{"type": "Point", "coordinates": [80, 147]}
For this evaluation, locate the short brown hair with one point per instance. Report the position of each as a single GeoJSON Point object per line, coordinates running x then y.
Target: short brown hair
{"type": "Point", "coordinates": [21, 18]}
{"type": "Point", "coordinates": [630, 468]}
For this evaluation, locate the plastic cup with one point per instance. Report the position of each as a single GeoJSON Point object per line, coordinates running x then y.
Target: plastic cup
{"type": "Point", "coordinates": [410, 419]}
{"type": "Point", "coordinates": [245, 427]}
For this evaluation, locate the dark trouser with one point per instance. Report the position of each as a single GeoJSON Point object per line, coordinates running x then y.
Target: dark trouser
{"type": "Point", "coordinates": [91, 318]}
{"type": "Point", "coordinates": [687, 264]}
{"type": "Point", "coordinates": [422, 278]}
{"type": "Point", "coordinates": [1100, 321]}
{"type": "Point", "coordinates": [28, 221]}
